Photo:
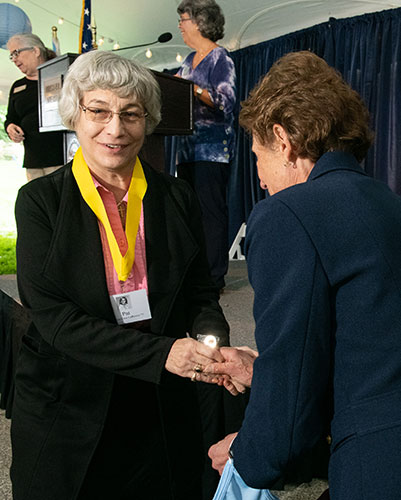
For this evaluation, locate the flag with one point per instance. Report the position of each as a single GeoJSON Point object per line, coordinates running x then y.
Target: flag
{"type": "Point", "coordinates": [55, 41]}
{"type": "Point", "coordinates": [85, 31]}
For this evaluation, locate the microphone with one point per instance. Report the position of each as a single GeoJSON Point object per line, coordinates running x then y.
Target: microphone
{"type": "Point", "coordinates": [163, 38]}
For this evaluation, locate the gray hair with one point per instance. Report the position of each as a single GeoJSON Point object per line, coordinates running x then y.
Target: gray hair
{"type": "Point", "coordinates": [31, 40]}
{"type": "Point", "coordinates": [108, 71]}
{"type": "Point", "coordinates": [207, 15]}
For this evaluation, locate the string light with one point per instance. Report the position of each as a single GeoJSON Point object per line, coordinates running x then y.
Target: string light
{"type": "Point", "coordinates": [62, 20]}
{"type": "Point", "coordinates": [179, 57]}
{"type": "Point", "coordinates": [103, 39]}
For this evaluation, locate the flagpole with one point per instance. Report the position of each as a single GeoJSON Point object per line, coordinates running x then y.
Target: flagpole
{"type": "Point", "coordinates": [93, 25]}
{"type": "Point", "coordinates": [55, 41]}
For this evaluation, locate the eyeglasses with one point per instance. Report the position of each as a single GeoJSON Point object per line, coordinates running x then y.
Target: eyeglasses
{"type": "Point", "coordinates": [105, 115]}
{"type": "Point", "coordinates": [183, 19]}
{"type": "Point", "coordinates": [15, 53]}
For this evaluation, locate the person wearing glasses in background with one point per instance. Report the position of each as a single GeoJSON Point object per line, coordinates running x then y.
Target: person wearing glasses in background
{"type": "Point", "coordinates": [203, 159]}
{"type": "Point", "coordinates": [43, 151]}
{"type": "Point", "coordinates": [105, 406]}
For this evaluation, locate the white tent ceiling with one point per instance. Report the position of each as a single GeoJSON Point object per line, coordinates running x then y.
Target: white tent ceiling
{"type": "Point", "coordinates": [131, 22]}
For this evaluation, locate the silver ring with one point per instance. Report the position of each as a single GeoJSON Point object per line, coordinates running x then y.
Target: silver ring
{"type": "Point", "coordinates": [198, 368]}
{"type": "Point", "coordinates": [193, 378]}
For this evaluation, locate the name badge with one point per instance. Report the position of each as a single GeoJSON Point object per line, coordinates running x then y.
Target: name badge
{"type": "Point", "coordinates": [131, 306]}
{"type": "Point", "coordinates": [19, 89]}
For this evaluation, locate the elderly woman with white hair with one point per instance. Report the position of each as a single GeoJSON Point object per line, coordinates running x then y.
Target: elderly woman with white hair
{"type": "Point", "coordinates": [43, 151]}
{"type": "Point", "coordinates": [104, 404]}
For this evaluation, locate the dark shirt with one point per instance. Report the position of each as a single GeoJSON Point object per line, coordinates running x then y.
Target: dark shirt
{"type": "Point", "coordinates": [41, 149]}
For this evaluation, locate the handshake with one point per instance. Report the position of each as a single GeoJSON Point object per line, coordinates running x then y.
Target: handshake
{"type": "Point", "coordinates": [235, 371]}
{"type": "Point", "coordinates": [231, 367]}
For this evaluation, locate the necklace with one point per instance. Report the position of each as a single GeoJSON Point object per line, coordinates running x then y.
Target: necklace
{"type": "Point", "coordinates": [205, 52]}
{"type": "Point", "coordinates": [199, 56]}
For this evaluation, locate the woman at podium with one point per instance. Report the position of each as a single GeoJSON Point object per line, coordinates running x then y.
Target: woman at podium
{"type": "Point", "coordinates": [203, 159]}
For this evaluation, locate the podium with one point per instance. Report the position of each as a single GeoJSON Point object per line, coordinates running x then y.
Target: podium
{"type": "Point", "coordinates": [177, 109]}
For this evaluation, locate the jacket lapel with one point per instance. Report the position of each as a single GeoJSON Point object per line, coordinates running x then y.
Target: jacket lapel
{"type": "Point", "coordinates": [76, 260]}
{"type": "Point", "coordinates": [76, 263]}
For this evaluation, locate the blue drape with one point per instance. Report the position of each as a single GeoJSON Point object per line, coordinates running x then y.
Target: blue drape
{"type": "Point", "coordinates": [366, 50]}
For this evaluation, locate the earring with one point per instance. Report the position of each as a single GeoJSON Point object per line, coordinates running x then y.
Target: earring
{"type": "Point", "coordinates": [288, 164]}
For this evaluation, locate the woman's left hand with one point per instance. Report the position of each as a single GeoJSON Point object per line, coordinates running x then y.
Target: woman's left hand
{"type": "Point", "coordinates": [218, 453]}
{"type": "Point", "coordinates": [188, 358]}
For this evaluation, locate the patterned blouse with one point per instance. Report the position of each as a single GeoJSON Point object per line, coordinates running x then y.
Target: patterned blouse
{"type": "Point", "coordinates": [213, 138]}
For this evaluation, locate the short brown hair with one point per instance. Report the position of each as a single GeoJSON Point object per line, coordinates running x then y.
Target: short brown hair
{"type": "Point", "coordinates": [311, 101]}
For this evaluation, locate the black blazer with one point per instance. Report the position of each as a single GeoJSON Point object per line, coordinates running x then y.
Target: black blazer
{"type": "Point", "coordinates": [74, 347]}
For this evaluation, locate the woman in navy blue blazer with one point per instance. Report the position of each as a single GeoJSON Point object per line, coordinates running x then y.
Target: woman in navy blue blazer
{"type": "Point", "coordinates": [324, 259]}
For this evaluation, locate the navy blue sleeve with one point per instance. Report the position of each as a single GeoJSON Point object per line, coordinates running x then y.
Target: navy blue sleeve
{"type": "Point", "coordinates": [292, 316]}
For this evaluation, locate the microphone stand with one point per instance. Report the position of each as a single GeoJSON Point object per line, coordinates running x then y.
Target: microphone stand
{"type": "Point", "coordinates": [136, 46]}
{"type": "Point", "coordinates": [165, 37]}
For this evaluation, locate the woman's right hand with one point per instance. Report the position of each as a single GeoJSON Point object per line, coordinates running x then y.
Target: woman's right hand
{"type": "Point", "coordinates": [188, 358]}
{"type": "Point", "coordinates": [237, 365]}
{"type": "Point", "coordinates": [15, 133]}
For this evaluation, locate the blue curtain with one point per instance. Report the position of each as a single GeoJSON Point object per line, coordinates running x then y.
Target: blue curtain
{"type": "Point", "coordinates": [366, 50]}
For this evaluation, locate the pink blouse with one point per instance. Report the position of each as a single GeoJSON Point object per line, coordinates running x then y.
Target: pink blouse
{"type": "Point", "coordinates": [137, 279]}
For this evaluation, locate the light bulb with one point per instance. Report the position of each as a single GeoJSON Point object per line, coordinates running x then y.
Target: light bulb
{"type": "Point", "coordinates": [116, 46]}
{"type": "Point", "coordinates": [148, 54]}
{"type": "Point", "coordinates": [60, 20]}
{"type": "Point", "coordinates": [178, 57]}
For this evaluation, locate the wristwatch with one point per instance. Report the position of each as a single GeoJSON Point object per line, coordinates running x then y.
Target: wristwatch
{"type": "Point", "coordinates": [199, 91]}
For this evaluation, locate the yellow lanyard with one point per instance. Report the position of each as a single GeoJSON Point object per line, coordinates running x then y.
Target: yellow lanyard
{"type": "Point", "coordinates": [136, 191]}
